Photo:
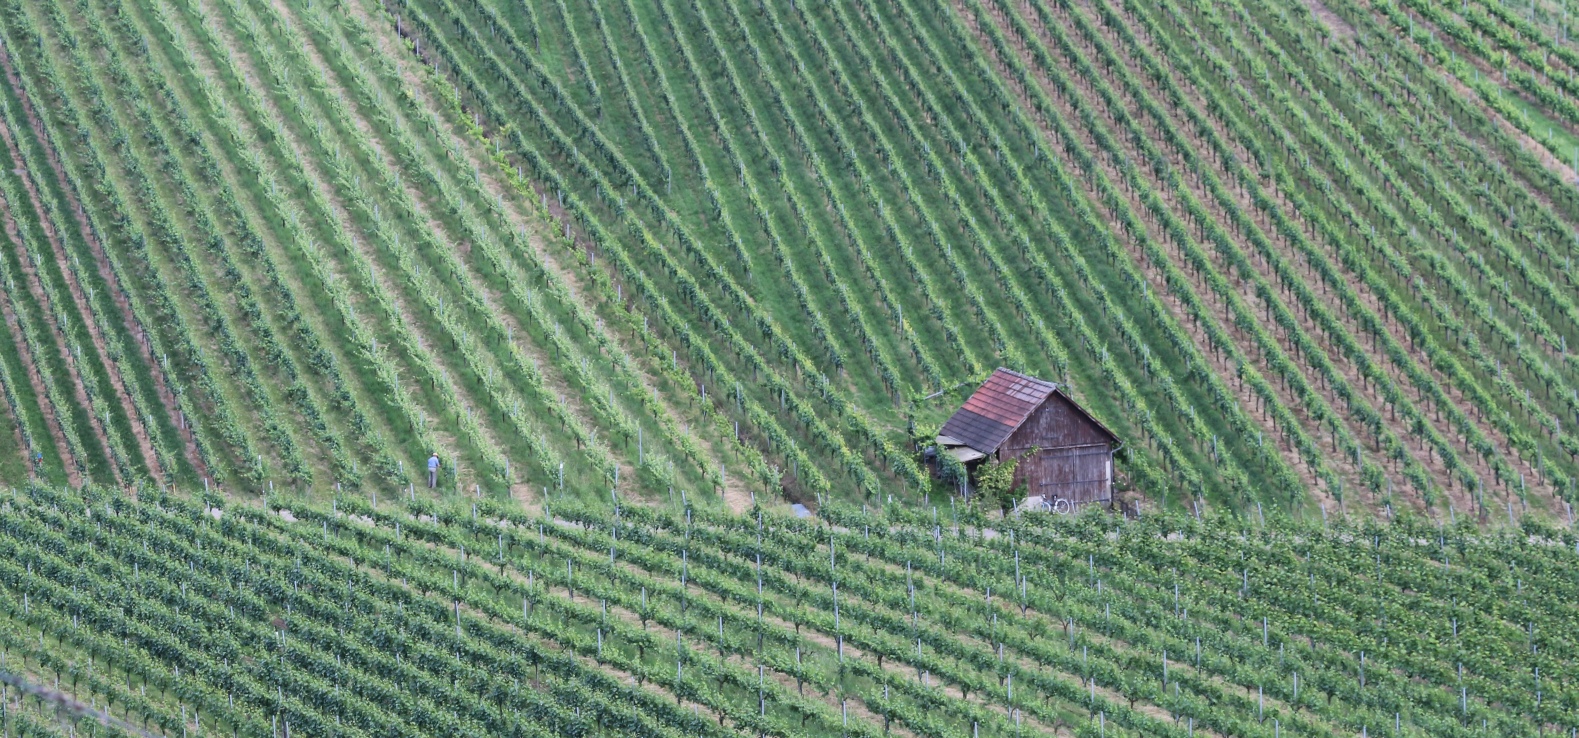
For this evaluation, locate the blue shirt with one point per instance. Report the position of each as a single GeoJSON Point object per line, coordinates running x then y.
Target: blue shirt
{"type": "Point", "coordinates": [433, 463]}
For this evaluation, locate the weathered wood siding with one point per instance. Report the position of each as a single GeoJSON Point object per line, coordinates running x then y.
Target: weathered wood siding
{"type": "Point", "coordinates": [1080, 474]}
{"type": "Point", "coordinates": [1075, 460]}
{"type": "Point", "coordinates": [1056, 424]}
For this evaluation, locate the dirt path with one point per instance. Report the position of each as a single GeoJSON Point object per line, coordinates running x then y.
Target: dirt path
{"type": "Point", "coordinates": [1335, 23]}
{"type": "Point", "coordinates": [52, 414]}
{"type": "Point", "coordinates": [900, 669]}
{"type": "Point", "coordinates": [1367, 299]}
{"type": "Point", "coordinates": [1153, 273]}
{"type": "Point", "coordinates": [857, 706]}
{"type": "Point", "coordinates": [590, 664]}
{"type": "Point", "coordinates": [587, 662]}
{"type": "Point", "coordinates": [318, 365]}
{"type": "Point", "coordinates": [46, 408]}
{"type": "Point", "coordinates": [241, 405]}
{"type": "Point", "coordinates": [1243, 288]}
{"type": "Point", "coordinates": [1469, 96]}
{"type": "Point", "coordinates": [66, 705]}
{"type": "Point", "coordinates": [1472, 98]}
{"type": "Point", "coordinates": [519, 215]}
{"type": "Point", "coordinates": [41, 299]}
{"type": "Point", "coordinates": [85, 313]}
{"type": "Point", "coordinates": [741, 661]}
{"type": "Point", "coordinates": [1475, 417]}
{"type": "Point", "coordinates": [829, 643]}
{"type": "Point", "coordinates": [117, 293]}
{"type": "Point", "coordinates": [1559, 67]}
{"type": "Point", "coordinates": [16, 433]}
{"type": "Point", "coordinates": [426, 208]}
{"type": "Point", "coordinates": [404, 318]}
{"type": "Point", "coordinates": [1025, 663]}
{"type": "Point", "coordinates": [1008, 611]}
{"type": "Point", "coordinates": [1420, 450]}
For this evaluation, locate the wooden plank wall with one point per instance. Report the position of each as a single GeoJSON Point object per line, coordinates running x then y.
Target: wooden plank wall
{"type": "Point", "coordinates": [1078, 474]}
{"type": "Point", "coordinates": [1075, 458]}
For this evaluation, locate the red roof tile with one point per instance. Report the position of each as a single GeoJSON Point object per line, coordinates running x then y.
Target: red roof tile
{"type": "Point", "coordinates": [996, 409]}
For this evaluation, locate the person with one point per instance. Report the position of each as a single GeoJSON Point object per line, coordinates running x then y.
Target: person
{"type": "Point", "coordinates": [433, 470]}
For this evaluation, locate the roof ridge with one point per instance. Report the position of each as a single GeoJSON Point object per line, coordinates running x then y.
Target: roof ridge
{"type": "Point", "coordinates": [1006, 370]}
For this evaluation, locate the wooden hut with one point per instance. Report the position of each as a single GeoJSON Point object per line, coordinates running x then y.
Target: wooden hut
{"type": "Point", "coordinates": [1010, 415]}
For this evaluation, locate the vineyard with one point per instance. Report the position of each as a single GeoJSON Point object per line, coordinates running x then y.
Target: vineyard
{"type": "Point", "coordinates": [641, 273]}
{"type": "Point", "coordinates": [217, 618]}
{"type": "Point", "coordinates": [1306, 255]}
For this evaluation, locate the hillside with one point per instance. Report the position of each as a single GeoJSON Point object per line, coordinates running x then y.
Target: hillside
{"type": "Point", "coordinates": [642, 273]}
{"type": "Point", "coordinates": [183, 618]}
{"type": "Point", "coordinates": [1306, 254]}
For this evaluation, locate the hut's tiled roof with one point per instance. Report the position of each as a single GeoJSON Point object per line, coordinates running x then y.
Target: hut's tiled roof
{"type": "Point", "coordinates": [996, 409]}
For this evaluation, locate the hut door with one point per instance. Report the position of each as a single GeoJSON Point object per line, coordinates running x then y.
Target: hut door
{"type": "Point", "coordinates": [1078, 474]}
